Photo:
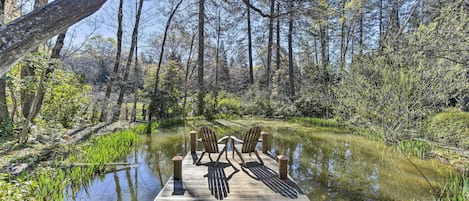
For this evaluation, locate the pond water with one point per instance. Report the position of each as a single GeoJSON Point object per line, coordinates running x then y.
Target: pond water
{"type": "Point", "coordinates": [326, 165]}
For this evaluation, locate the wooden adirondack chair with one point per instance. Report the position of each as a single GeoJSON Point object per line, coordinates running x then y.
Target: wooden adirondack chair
{"type": "Point", "coordinates": [209, 139]}
{"type": "Point", "coordinates": [249, 143]}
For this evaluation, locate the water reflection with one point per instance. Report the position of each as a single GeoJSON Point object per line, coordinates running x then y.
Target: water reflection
{"type": "Point", "coordinates": [326, 166]}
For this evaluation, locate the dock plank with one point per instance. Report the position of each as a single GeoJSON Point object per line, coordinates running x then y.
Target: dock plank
{"type": "Point", "coordinates": [230, 181]}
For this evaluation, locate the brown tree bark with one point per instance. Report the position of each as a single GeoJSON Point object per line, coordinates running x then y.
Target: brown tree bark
{"type": "Point", "coordinates": [154, 97]}
{"type": "Point", "coordinates": [277, 57]}
{"type": "Point", "coordinates": [290, 52]}
{"type": "Point", "coordinates": [268, 71]}
{"type": "Point", "coordinates": [186, 84]}
{"type": "Point", "coordinates": [55, 55]}
{"type": "Point", "coordinates": [4, 115]}
{"type": "Point", "coordinates": [251, 69]}
{"type": "Point", "coordinates": [123, 84]}
{"type": "Point", "coordinates": [200, 59]}
{"type": "Point", "coordinates": [115, 71]}
{"type": "Point", "coordinates": [28, 71]}
{"type": "Point", "coordinates": [21, 36]}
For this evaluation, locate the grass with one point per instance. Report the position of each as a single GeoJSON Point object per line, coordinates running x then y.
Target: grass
{"type": "Point", "coordinates": [456, 188]}
{"type": "Point", "coordinates": [49, 183]}
{"type": "Point", "coordinates": [315, 121]}
{"type": "Point", "coordinates": [415, 148]}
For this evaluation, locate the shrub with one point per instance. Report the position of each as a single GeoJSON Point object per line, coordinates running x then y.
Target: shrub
{"type": "Point", "coordinates": [450, 126]}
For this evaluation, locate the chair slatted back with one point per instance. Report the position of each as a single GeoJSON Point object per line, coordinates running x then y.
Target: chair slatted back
{"type": "Point", "coordinates": [209, 139]}
{"type": "Point", "coordinates": [250, 140]}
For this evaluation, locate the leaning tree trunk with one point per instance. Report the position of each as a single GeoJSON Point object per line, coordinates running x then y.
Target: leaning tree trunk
{"type": "Point", "coordinates": [115, 71]}
{"type": "Point", "coordinates": [186, 84]}
{"type": "Point", "coordinates": [28, 71]}
{"type": "Point", "coordinates": [123, 84]}
{"type": "Point", "coordinates": [59, 43]}
{"type": "Point", "coordinates": [21, 36]}
{"type": "Point", "coordinates": [154, 96]}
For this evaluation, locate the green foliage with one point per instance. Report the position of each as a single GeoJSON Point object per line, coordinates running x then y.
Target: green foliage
{"type": "Point", "coordinates": [414, 147]}
{"type": "Point", "coordinates": [450, 126]}
{"type": "Point", "coordinates": [66, 97]}
{"type": "Point", "coordinates": [456, 188]}
{"type": "Point", "coordinates": [228, 104]}
{"type": "Point", "coordinates": [315, 121]}
{"type": "Point", "coordinates": [50, 183]}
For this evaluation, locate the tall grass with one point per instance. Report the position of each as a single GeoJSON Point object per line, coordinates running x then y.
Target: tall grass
{"type": "Point", "coordinates": [315, 121]}
{"type": "Point", "coordinates": [415, 148]}
{"type": "Point", "coordinates": [50, 183]}
{"type": "Point", "coordinates": [456, 188]}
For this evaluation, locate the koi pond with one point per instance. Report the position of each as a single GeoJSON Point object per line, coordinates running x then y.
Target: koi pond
{"type": "Point", "coordinates": [326, 164]}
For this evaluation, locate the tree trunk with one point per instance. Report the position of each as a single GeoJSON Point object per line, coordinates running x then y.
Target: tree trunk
{"type": "Point", "coordinates": [4, 115]}
{"type": "Point", "coordinates": [268, 73]}
{"type": "Point", "coordinates": [136, 76]}
{"type": "Point", "coordinates": [251, 70]}
{"type": "Point", "coordinates": [123, 84]}
{"type": "Point", "coordinates": [217, 55]}
{"type": "Point", "coordinates": [200, 59]}
{"type": "Point", "coordinates": [186, 84]}
{"type": "Point", "coordinates": [115, 71]}
{"type": "Point", "coordinates": [154, 97]}
{"type": "Point", "coordinates": [55, 55]}
{"type": "Point", "coordinates": [323, 29]}
{"type": "Point", "coordinates": [21, 36]}
{"type": "Point", "coordinates": [277, 57]}
{"type": "Point", "coordinates": [290, 52]}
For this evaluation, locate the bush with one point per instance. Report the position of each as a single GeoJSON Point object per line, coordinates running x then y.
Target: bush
{"type": "Point", "coordinates": [229, 105]}
{"type": "Point", "coordinates": [451, 126]}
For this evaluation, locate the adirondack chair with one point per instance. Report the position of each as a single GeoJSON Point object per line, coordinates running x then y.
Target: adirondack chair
{"type": "Point", "coordinates": [248, 144]}
{"type": "Point", "coordinates": [209, 139]}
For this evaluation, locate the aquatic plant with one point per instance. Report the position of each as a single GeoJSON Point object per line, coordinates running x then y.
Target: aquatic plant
{"type": "Point", "coordinates": [415, 148]}
{"type": "Point", "coordinates": [456, 188]}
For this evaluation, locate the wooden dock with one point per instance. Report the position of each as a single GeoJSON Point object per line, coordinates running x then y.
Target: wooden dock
{"type": "Point", "coordinates": [229, 180]}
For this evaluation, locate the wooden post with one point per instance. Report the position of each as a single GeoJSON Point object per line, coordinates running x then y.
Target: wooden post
{"type": "Point", "coordinates": [193, 140]}
{"type": "Point", "coordinates": [177, 162]}
{"type": "Point", "coordinates": [283, 170]}
{"type": "Point", "coordinates": [265, 141]}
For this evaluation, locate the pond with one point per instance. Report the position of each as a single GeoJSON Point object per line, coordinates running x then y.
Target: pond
{"type": "Point", "coordinates": [326, 165]}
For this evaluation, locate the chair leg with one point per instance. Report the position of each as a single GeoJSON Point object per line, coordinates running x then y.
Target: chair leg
{"type": "Point", "coordinates": [241, 157]}
{"type": "Point", "coordinates": [201, 156]}
{"type": "Point", "coordinates": [258, 157]}
{"type": "Point", "coordinates": [209, 156]}
{"type": "Point", "coordinates": [219, 156]}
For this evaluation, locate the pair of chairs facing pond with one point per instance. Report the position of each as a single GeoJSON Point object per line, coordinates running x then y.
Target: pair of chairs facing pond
{"type": "Point", "coordinates": [247, 145]}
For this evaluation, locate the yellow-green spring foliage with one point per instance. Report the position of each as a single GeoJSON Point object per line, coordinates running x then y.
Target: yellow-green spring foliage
{"type": "Point", "coordinates": [451, 126]}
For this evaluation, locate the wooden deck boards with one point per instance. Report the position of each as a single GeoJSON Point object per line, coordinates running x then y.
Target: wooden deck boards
{"type": "Point", "coordinates": [230, 181]}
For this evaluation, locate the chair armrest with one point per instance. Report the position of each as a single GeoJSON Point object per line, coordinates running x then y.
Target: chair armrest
{"type": "Point", "coordinates": [200, 139]}
{"type": "Point", "coordinates": [223, 139]}
{"type": "Point", "coordinates": [236, 139]}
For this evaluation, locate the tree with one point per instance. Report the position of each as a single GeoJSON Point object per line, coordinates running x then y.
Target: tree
{"type": "Point", "coordinates": [157, 76]}
{"type": "Point", "coordinates": [21, 36]}
{"type": "Point", "coordinates": [251, 70]}
{"type": "Point", "coordinates": [115, 71]}
{"type": "Point", "coordinates": [123, 84]}
{"type": "Point", "coordinates": [4, 115]}
{"type": "Point", "coordinates": [290, 51]}
{"type": "Point", "coordinates": [200, 60]}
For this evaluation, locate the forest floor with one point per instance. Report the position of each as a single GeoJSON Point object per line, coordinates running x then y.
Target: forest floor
{"type": "Point", "coordinates": [45, 145]}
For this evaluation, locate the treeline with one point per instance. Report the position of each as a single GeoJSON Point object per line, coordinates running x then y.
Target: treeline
{"type": "Point", "coordinates": [382, 65]}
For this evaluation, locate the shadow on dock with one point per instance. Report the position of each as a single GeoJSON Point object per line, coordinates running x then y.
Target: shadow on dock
{"type": "Point", "coordinates": [285, 187]}
{"type": "Point", "coordinates": [218, 179]}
